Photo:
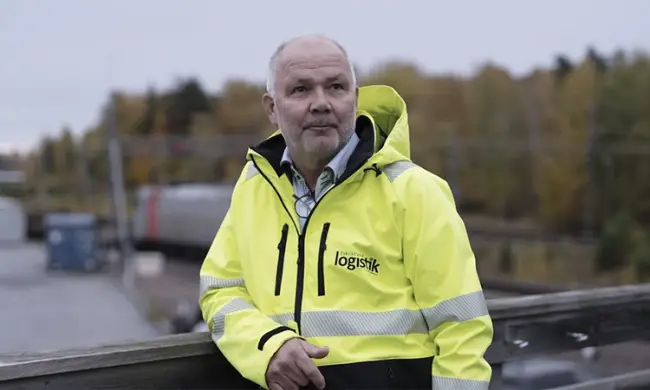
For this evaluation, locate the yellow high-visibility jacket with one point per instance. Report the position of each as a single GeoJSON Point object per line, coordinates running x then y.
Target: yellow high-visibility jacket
{"type": "Point", "coordinates": [383, 272]}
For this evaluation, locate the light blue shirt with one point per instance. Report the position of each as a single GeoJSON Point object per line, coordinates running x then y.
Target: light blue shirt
{"type": "Point", "coordinates": [326, 180]}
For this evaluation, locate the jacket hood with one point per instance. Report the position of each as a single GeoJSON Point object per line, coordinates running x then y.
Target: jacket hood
{"type": "Point", "coordinates": [382, 125]}
{"type": "Point", "coordinates": [387, 111]}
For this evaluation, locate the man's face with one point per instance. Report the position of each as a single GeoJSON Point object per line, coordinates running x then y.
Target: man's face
{"type": "Point", "coordinates": [315, 99]}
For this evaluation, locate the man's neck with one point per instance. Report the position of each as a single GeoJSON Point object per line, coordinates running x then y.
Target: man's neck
{"type": "Point", "coordinates": [311, 169]}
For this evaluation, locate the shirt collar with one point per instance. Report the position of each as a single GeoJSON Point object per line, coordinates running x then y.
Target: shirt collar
{"type": "Point", "coordinates": [336, 164]}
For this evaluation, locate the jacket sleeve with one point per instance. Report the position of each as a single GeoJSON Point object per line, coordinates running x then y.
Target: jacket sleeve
{"type": "Point", "coordinates": [243, 334]}
{"type": "Point", "coordinates": [441, 266]}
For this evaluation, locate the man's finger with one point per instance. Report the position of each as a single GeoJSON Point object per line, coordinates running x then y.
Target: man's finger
{"type": "Point", "coordinates": [275, 386]}
{"type": "Point", "coordinates": [311, 371]}
{"type": "Point", "coordinates": [285, 382]}
{"type": "Point", "coordinates": [295, 374]}
{"type": "Point", "coordinates": [314, 351]}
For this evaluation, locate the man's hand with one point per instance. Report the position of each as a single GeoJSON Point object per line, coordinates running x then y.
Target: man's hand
{"type": "Point", "coordinates": [291, 366]}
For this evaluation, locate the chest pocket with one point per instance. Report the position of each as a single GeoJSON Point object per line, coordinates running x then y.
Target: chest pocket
{"type": "Point", "coordinates": [351, 261]}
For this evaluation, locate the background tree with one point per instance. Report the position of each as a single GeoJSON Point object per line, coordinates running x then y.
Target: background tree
{"type": "Point", "coordinates": [548, 148]}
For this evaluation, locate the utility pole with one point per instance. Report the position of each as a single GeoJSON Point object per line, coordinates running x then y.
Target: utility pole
{"type": "Point", "coordinates": [119, 195]}
{"type": "Point", "coordinates": [588, 209]}
{"type": "Point", "coordinates": [41, 186]}
{"type": "Point", "coordinates": [533, 107]}
{"type": "Point", "coordinates": [82, 171]}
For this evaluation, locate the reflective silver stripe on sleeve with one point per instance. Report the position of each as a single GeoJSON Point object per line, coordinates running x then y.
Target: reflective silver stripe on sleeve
{"type": "Point", "coordinates": [283, 319]}
{"type": "Point", "coordinates": [458, 309]}
{"type": "Point", "coordinates": [210, 283]}
{"type": "Point", "coordinates": [334, 323]}
{"type": "Point", "coordinates": [395, 169]}
{"type": "Point", "coordinates": [446, 383]}
{"type": "Point", "coordinates": [219, 319]}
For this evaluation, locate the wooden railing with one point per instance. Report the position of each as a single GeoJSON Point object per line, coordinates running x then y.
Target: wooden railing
{"type": "Point", "coordinates": [525, 327]}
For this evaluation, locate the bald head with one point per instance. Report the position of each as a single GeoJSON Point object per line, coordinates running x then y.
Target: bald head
{"type": "Point", "coordinates": [304, 45]}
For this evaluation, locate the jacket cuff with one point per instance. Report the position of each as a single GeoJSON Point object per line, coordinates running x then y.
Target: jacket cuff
{"type": "Point", "coordinates": [268, 345]}
{"type": "Point", "coordinates": [268, 335]}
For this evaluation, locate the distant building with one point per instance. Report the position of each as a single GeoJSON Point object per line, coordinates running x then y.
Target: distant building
{"type": "Point", "coordinates": [12, 177]}
{"type": "Point", "coordinates": [13, 221]}
{"type": "Point", "coordinates": [10, 169]}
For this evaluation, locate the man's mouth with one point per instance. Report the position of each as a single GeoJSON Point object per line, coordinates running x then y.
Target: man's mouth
{"type": "Point", "coordinates": [320, 127]}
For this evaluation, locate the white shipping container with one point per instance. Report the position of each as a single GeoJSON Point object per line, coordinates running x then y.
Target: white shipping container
{"type": "Point", "coordinates": [13, 221]}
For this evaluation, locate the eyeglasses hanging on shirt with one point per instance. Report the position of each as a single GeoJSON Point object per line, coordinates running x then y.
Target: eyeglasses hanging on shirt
{"type": "Point", "coordinates": [307, 200]}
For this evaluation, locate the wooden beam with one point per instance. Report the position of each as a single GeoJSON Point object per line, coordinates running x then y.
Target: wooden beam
{"type": "Point", "coordinates": [524, 327]}
{"type": "Point", "coordinates": [162, 348]}
{"type": "Point", "coordinates": [519, 287]}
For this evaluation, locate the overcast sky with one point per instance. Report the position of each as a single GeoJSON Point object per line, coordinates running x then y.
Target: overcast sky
{"type": "Point", "coordinates": [59, 58]}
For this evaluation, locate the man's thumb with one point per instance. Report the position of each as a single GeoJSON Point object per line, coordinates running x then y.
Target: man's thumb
{"type": "Point", "coordinates": [314, 351]}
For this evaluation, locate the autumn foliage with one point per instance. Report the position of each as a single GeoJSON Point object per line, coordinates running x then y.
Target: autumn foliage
{"type": "Point", "coordinates": [564, 147]}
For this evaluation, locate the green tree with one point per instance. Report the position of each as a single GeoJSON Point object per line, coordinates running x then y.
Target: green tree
{"type": "Point", "coordinates": [48, 164]}
{"type": "Point", "coordinates": [188, 98]}
{"type": "Point", "coordinates": [64, 159]}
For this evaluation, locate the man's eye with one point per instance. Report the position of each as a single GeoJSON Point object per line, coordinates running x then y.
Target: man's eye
{"type": "Point", "coordinates": [299, 89]}
{"type": "Point", "coordinates": [337, 86]}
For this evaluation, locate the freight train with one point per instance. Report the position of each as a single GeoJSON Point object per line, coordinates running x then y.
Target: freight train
{"type": "Point", "coordinates": [179, 219]}
{"type": "Point", "coordinates": [182, 220]}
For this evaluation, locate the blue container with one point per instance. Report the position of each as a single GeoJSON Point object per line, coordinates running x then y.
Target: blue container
{"type": "Point", "coordinates": [71, 241]}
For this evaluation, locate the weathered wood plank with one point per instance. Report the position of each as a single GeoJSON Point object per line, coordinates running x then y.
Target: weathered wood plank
{"type": "Point", "coordinates": [524, 327]}
{"type": "Point", "coordinates": [163, 348]}
{"type": "Point", "coordinates": [519, 287]}
{"type": "Point", "coordinates": [197, 372]}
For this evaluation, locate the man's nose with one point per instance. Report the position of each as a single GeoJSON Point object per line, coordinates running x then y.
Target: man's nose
{"type": "Point", "coordinates": [320, 102]}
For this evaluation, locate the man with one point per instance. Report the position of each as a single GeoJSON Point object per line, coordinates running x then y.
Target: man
{"type": "Point", "coordinates": [341, 263]}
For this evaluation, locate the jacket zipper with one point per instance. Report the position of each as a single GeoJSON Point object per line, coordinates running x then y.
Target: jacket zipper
{"type": "Point", "coordinates": [300, 273]}
{"type": "Point", "coordinates": [300, 277]}
{"type": "Point", "coordinates": [281, 250]}
{"type": "Point", "coordinates": [321, 259]}
{"type": "Point", "coordinates": [300, 281]}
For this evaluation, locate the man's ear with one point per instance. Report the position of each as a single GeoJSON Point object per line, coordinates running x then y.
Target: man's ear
{"type": "Point", "coordinates": [269, 108]}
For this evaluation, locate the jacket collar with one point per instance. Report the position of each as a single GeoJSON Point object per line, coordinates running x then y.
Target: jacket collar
{"type": "Point", "coordinates": [272, 149]}
{"type": "Point", "coordinates": [337, 164]}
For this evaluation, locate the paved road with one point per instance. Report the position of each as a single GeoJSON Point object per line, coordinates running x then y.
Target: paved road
{"type": "Point", "coordinates": [42, 311]}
